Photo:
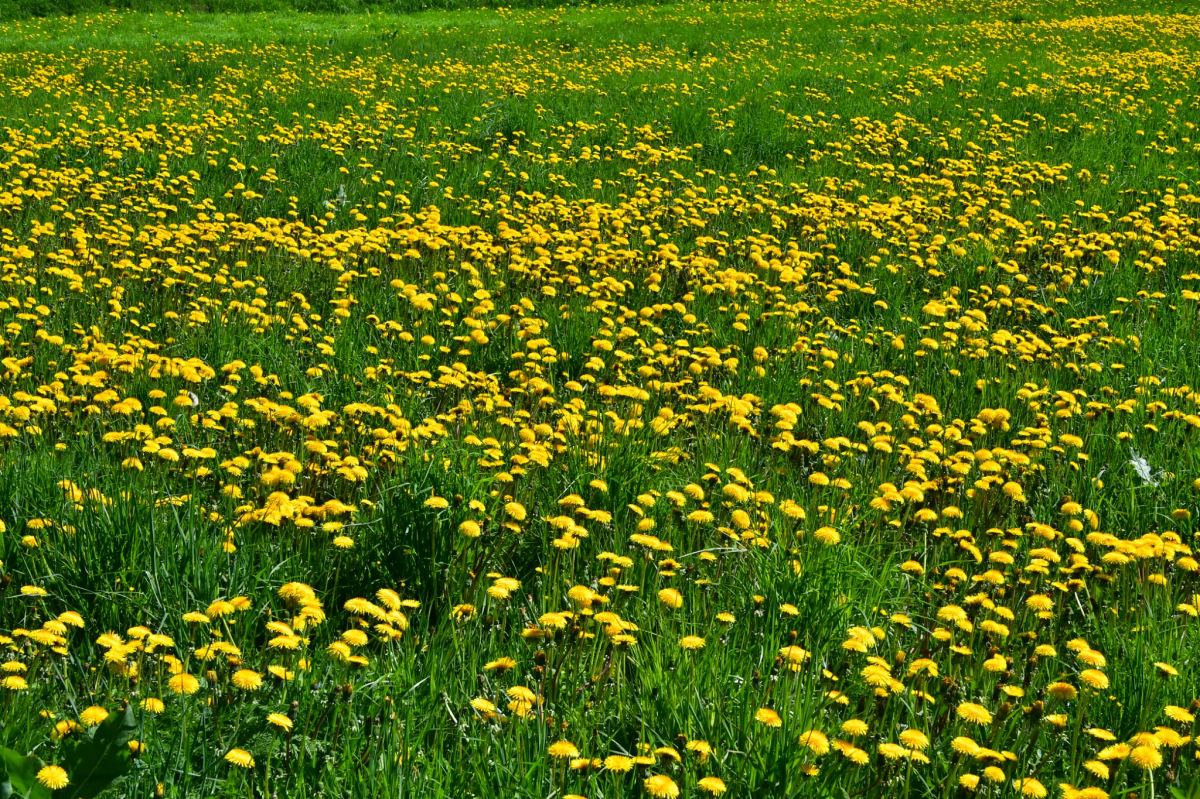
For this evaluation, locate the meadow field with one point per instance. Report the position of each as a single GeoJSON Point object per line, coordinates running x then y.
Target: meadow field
{"type": "Point", "coordinates": [760, 399]}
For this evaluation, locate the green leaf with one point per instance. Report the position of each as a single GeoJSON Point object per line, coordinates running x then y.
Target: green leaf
{"type": "Point", "coordinates": [19, 777]}
{"type": "Point", "coordinates": [101, 760]}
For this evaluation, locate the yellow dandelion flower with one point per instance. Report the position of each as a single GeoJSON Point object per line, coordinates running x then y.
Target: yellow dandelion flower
{"type": "Point", "coordinates": [184, 684]}
{"type": "Point", "coordinates": [975, 714]}
{"type": "Point", "coordinates": [1146, 758]}
{"type": "Point", "coordinates": [246, 679]}
{"type": "Point", "coordinates": [768, 717]}
{"type": "Point", "coordinates": [855, 728]}
{"type": "Point", "coordinates": [240, 758]}
{"type": "Point", "coordinates": [281, 721]}
{"type": "Point", "coordinates": [1062, 690]}
{"type": "Point", "coordinates": [1030, 787]}
{"type": "Point", "coordinates": [618, 763]}
{"type": "Point", "coordinates": [563, 749]}
{"type": "Point", "coordinates": [670, 598]}
{"type": "Point", "coordinates": [816, 741]}
{"type": "Point", "coordinates": [93, 716]}
{"type": "Point", "coordinates": [660, 786]}
{"type": "Point", "coordinates": [827, 535]}
{"type": "Point", "coordinates": [53, 777]}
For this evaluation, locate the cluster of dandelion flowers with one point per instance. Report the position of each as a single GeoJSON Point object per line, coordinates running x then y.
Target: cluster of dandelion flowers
{"type": "Point", "coordinates": [649, 309]}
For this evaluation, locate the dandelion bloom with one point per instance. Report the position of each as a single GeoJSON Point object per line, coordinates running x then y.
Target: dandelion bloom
{"type": "Point", "coordinates": [975, 714]}
{"type": "Point", "coordinates": [670, 598]}
{"type": "Point", "coordinates": [702, 749]}
{"type": "Point", "coordinates": [553, 621]}
{"type": "Point", "coordinates": [501, 665]}
{"type": "Point", "coordinates": [53, 777]}
{"type": "Point", "coordinates": [240, 758]}
{"type": "Point", "coordinates": [858, 757]}
{"type": "Point", "coordinates": [618, 763]}
{"type": "Point", "coordinates": [1039, 602]}
{"type": "Point", "coordinates": [1030, 787]}
{"type": "Point", "coordinates": [827, 535]}
{"type": "Point", "coordinates": [1115, 752]}
{"type": "Point", "coordinates": [965, 746]}
{"type": "Point", "coordinates": [1145, 757]}
{"type": "Point", "coordinates": [692, 642]}
{"type": "Point", "coordinates": [281, 721]}
{"type": "Point", "coordinates": [1094, 679]}
{"type": "Point", "coordinates": [563, 750]}
{"type": "Point", "coordinates": [1062, 690]}
{"type": "Point", "coordinates": [855, 727]}
{"type": "Point", "coordinates": [184, 684]}
{"type": "Point", "coordinates": [247, 680]}
{"type": "Point", "coordinates": [816, 741]}
{"type": "Point", "coordinates": [768, 717]}
{"type": "Point", "coordinates": [714, 786]}
{"type": "Point", "coordinates": [522, 694]}
{"type": "Point", "coordinates": [93, 716]}
{"type": "Point", "coordinates": [794, 655]}
{"type": "Point", "coordinates": [660, 786]}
